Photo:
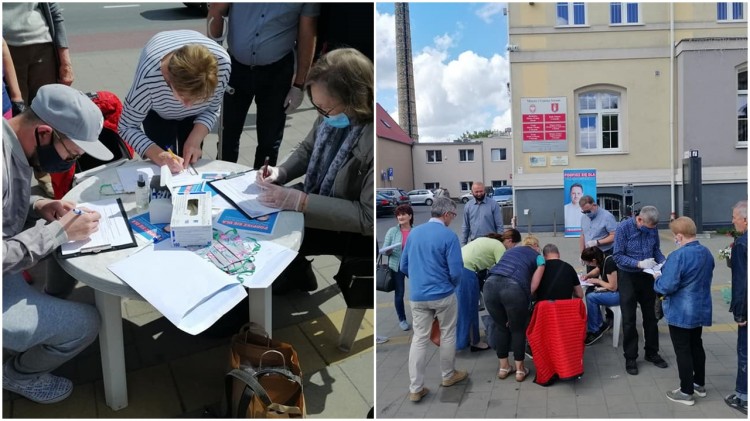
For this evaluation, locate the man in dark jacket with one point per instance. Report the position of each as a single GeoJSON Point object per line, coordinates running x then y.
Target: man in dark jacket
{"type": "Point", "coordinates": [738, 307]}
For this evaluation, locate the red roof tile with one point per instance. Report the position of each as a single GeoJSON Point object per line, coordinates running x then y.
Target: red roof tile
{"type": "Point", "coordinates": [387, 128]}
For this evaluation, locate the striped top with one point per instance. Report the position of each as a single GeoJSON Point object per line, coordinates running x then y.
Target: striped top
{"type": "Point", "coordinates": [151, 92]}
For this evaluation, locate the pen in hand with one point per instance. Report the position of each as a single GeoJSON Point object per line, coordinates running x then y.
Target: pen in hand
{"type": "Point", "coordinates": [78, 211]}
{"type": "Point", "coordinates": [265, 168]}
{"type": "Point", "coordinates": [172, 154]}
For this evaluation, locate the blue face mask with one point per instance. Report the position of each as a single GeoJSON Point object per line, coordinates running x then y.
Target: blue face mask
{"type": "Point", "coordinates": [338, 121]}
{"type": "Point", "coordinates": [591, 215]}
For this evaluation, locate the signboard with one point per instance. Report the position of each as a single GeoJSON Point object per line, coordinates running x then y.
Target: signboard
{"type": "Point", "coordinates": [576, 184]}
{"type": "Point", "coordinates": [544, 124]}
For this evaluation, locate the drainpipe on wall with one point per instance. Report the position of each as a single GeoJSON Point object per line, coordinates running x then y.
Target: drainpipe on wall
{"type": "Point", "coordinates": [672, 158]}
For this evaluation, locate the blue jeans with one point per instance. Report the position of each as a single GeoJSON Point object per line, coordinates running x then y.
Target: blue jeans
{"type": "Point", "coordinates": [398, 294]}
{"type": "Point", "coordinates": [742, 362]}
{"type": "Point", "coordinates": [593, 301]}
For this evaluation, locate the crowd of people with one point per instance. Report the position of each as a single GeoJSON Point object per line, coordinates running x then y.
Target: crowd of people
{"type": "Point", "coordinates": [182, 80]}
{"type": "Point", "coordinates": [528, 288]}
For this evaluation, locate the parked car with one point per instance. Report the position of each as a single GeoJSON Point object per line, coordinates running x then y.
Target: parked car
{"type": "Point", "coordinates": [384, 205]}
{"type": "Point", "coordinates": [502, 195]}
{"type": "Point", "coordinates": [421, 196]}
{"type": "Point", "coordinates": [401, 197]}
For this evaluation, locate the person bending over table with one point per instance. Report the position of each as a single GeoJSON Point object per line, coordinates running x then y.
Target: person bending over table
{"type": "Point", "coordinates": [44, 331]}
{"type": "Point", "coordinates": [178, 89]}
{"type": "Point", "coordinates": [336, 159]}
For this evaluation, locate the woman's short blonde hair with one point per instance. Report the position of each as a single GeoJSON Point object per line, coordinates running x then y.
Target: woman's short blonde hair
{"type": "Point", "coordinates": [347, 75]}
{"type": "Point", "coordinates": [683, 225]}
{"type": "Point", "coordinates": [193, 72]}
{"type": "Point", "coordinates": [530, 240]}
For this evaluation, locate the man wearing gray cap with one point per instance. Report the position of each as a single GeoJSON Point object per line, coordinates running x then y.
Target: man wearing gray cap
{"type": "Point", "coordinates": [44, 332]}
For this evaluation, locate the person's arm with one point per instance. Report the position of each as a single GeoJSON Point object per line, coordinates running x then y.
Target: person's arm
{"type": "Point", "coordinates": [215, 19]}
{"type": "Point", "coordinates": [619, 249]}
{"type": "Point", "coordinates": [536, 278]}
{"type": "Point", "coordinates": [404, 263]}
{"type": "Point", "coordinates": [606, 240]}
{"type": "Point", "coordinates": [497, 213]}
{"type": "Point", "coordinates": [306, 37]}
{"type": "Point", "coordinates": [658, 255]}
{"type": "Point", "coordinates": [388, 240]}
{"type": "Point", "coordinates": [455, 261]}
{"type": "Point", "coordinates": [611, 281]}
{"type": "Point", "coordinates": [9, 75]}
{"type": "Point", "coordinates": [581, 242]}
{"type": "Point", "coordinates": [465, 226]}
{"type": "Point", "coordinates": [578, 291]}
{"type": "Point", "coordinates": [208, 117]}
{"type": "Point", "coordinates": [65, 69]}
{"type": "Point", "coordinates": [669, 281]}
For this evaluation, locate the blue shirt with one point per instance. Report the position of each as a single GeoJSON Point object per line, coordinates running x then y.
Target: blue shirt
{"type": "Point", "coordinates": [480, 219]}
{"type": "Point", "coordinates": [432, 261]}
{"type": "Point", "coordinates": [685, 283]}
{"type": "Point", "coordinates": [263, 33]}
{"type": "Point", "coordinates": [599, 227]}
{"type": "Point", "coordinates": [633, 244]}
{"type": "Point", "coordinates": [519, 264]}
{"type": "Point", "coordinates": [6, 100]}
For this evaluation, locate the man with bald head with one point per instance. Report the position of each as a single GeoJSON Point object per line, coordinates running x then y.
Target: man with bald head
{"type": "Point", "coordinates": [481, 215]}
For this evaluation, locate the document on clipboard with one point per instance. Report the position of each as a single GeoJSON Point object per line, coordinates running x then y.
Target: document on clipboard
{"type": "Point", "coordinates": [241, 191]}
{"type": "Point", "coordinates": [114, 231]}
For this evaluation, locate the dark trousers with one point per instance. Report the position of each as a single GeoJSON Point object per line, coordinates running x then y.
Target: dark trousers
{"type": "Point", "coordinates": [691, 358]}
{"type": "Point", "coordinates": [637, 288]}
{"type": "Point", "coordinates": [507, 304]}
{"type": "Point", "coordinates": [741, 360]}
{"type": "Point", "coordinates": [168, 133]}
{"type": "Point", "coordinates": [268, 85]}
{"type": "Point", "coordinates": [398, 294]}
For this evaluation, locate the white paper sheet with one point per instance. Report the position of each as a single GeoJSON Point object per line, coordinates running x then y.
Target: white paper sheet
{"type": "Point", "coordinates": [188, 290]}
{"type": "Point", "coordinates": [270, 261]}
{"type": "Point", "coordinates": [243, 191]}
{"type": "Point", "coordinates": [391, 247]}
{"type": "Point", "coordinates": [113, 229]}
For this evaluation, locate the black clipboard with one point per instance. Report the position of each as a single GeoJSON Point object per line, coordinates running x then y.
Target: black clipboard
{"type": "Point", "coordinates": [225, 196]}
{"type": "Point", "coordinates": [104, 249]}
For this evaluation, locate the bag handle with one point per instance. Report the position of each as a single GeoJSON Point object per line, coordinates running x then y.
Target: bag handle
{"type": "Point", "coordinates": [252, 387]}
{"type": "Point", "coordinates": [260, 360]}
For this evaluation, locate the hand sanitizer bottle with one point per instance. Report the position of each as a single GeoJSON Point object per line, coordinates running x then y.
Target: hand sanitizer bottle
{"type": "Point", "coordinates": [142, 194]}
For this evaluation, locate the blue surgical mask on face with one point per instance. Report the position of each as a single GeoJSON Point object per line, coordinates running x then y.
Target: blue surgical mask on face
{"type": "Point", "coordinates": [338, 121]}
{"type": "Point", "coordinates": [591, 215]}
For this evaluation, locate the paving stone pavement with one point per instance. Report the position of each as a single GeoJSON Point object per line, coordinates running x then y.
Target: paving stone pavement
{"type": "Point", "coordinates": [604, 391]}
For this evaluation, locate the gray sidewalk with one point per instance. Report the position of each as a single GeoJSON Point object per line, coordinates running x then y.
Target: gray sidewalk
{"type": "Point", "coordinates": [604, 391]}
{"type": "Point", "coordinates": [173, 374]}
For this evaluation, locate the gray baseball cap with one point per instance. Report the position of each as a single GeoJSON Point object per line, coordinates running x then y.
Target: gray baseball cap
{"type": "Point", "coordinates": [72, 113]}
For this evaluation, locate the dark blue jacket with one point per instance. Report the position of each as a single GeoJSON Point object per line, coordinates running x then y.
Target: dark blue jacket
{"type": "Point", "coordinates": [518, 264]}
{"type": "Point", "coordinates": [738, 307]}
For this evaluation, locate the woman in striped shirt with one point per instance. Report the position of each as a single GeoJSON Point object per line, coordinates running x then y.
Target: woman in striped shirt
{"type": "Point", "coordinates": [178, 88]}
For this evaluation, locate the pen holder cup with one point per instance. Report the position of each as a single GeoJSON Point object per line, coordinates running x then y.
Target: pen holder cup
{"type": "Point", "coordinates": [157, 190]}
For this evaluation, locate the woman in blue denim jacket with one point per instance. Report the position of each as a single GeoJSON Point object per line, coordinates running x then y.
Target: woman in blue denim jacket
{"type": "Point", "coordinates": [685, 285]}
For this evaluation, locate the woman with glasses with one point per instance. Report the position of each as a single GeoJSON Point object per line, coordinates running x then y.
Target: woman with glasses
{"type": "Point", "coordinates": [178, 89]}
{"type": "Point", "coordinates": [507, 296]}
{"type": "Point", "coordinates": [336, 159]}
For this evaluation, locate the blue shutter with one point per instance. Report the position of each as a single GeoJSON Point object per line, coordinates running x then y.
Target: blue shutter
{"type": "Point", "coordinates": [615, 13]}
{"type": "Point", "coordinates": [632, 12]}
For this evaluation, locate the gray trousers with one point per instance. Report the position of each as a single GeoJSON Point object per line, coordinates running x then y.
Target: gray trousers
{"type": "Point", "coordinates": [44, 331]}
{"type": "Point", "coordinates": [422, 313]}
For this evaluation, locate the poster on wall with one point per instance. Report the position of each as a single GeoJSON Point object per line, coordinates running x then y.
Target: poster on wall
{"type": "Point", "coordinates": [544, 124]}
{"type": "Point", "coordinates": [576, 184]}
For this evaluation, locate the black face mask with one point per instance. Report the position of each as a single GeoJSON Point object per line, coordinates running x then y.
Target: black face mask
{"type": "Point", "coordinates": [49, 159]}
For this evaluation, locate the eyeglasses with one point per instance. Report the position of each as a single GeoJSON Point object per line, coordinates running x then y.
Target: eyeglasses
{"type": "Point", "coordinates": [322, 112]}
{"type": "Point", "coordinates": [452, 213]}
{"type": "Point", "coordinates": [71, 156]}
{"type": "Point", "coordinates": [586, 212]}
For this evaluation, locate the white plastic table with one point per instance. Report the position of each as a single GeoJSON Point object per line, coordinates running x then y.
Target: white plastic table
{"type": "Point", "coordinates": [109, 289]}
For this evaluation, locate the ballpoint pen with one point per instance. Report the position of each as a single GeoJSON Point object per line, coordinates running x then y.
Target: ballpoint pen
{"type": "Point", "coordinates": [265, 168]}
{"type": "Point", "coordinates": [172, 154]}
{"type": "Point", "coordinates": [78, 211]}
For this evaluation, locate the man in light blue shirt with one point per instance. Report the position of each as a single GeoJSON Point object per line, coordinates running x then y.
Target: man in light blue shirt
{"type": "Point", "coordinates": [598, 226]}
{"type": "Point", "coordinates": [481, 215]}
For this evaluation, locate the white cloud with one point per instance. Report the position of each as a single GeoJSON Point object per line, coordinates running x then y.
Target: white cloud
{"type": "Point", "coordinates": [489, 10]}
{"type": "Point", "coordinates": [385, 56]}
{"type": "Point", "coordinates": [443, 42]}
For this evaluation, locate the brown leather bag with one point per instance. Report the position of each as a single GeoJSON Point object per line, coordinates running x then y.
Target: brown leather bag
{"type": "Point", "coordinates": [435, 332]}
{"type": "Point", "coordinates": [265, 378]}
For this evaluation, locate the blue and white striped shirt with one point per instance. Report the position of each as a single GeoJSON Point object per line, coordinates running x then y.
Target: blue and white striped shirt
{"type": "Point", "coordinates": [151, 92]}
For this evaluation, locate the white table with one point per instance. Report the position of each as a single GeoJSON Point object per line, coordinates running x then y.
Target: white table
{"type": "Point", "coordinates": [109, 289]}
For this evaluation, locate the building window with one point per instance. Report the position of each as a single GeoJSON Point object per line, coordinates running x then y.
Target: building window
{"type": "Point", "coordinates": [498, 154]}
{"type": "Point", "coordinates": [571, 14]}
{"type": "Point", "coordinates": [431, 186]}
{"type": "Point", "coordinates": [624, 13]}
{"type": "Point", "coordinates": [434, 156]}
{"type": "Point", "coordinates": [742, 107]}
{"type": "Point", "coordinates": [465, 185]}
{"type": "Point", "coordinates": [599, 121]}
{"type": "Point", "coordinates": [730, 12]}
{"type": "Point", "coordinates": [466, 155]}
{"type": "Point", "coordinates": [499, 183]}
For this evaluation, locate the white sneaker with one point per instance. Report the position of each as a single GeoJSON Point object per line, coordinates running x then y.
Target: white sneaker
{"type": "Point", "coordinates": [47, 388]}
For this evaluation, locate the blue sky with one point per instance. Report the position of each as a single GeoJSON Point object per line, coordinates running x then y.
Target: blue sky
{"type": "Point", "coordinates": [460, 66]}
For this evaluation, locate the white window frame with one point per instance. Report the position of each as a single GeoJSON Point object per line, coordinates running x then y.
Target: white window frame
{"type": "Point", "coordinates": [571, 12]}
{"type": "Point", "coordinates": [625, 14]}
{"type": "Point", "coordinates": [741, 93]}
{"type": "Point", "coordinates": [466, 184]}
{"type": "Point", "coordinates": [600, 113]}
{"type": "Point", "coordinates": [731, 9]}
{"type": "Point", "coordinates": [432, 185]}
{"type": "Point", "coordinates": [500, 151]}
{"type": "Point", "coordinates": [437, 156]}
{"type": "Point", "coordinates": [463, 155]}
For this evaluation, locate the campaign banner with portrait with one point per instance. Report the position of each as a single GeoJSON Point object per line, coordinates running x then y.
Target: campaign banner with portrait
{"type": "Point", "coordinates": [576, 184]}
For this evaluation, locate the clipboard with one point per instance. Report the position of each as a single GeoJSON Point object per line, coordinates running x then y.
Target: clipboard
{"type": "Point", "coordinates": [249, 206]}
{"type": "Point", "coordinates": [116, 220]}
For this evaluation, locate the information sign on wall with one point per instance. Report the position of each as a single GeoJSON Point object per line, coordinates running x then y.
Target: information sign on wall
{"type": "Point", "coordinates": [544, 124]}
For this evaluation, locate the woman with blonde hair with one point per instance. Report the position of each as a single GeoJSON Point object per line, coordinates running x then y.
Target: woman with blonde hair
{"type": "Point", "coordinates": [507, 296]}
{"type": "Point", "coordinates": [336, 159]}
{"type": "Point", "coordinates": [178, 89]}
